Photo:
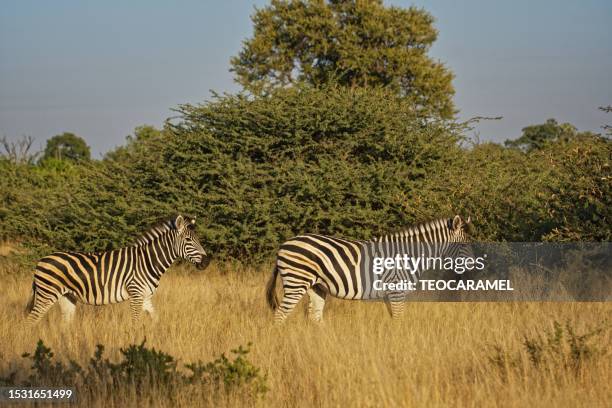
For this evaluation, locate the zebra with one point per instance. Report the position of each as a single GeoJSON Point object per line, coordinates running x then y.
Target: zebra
{"type": "Point", "coordinates": [320, 265]}
{"type": "Point", "coordinates": [132, 272]}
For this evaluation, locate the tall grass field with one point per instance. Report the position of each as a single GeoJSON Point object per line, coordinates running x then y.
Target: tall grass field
{"type": "Point", "coordinates": [438, 354]}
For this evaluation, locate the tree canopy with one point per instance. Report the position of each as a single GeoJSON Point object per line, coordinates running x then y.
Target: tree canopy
{"type": "Point", "coordinates": [352, 43]}
{"type": "Point", "coordinates": [333, 160]}
{"type": "Point", "coordinates": [141, 134]}
{"type": "Point", "coordinates": [535, 137]}
{"type": "Point", "coordinates": [67, 146]}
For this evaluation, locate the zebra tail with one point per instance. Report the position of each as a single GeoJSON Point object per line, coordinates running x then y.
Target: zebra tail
{"type": "Point", "coordinates": [271, 290]}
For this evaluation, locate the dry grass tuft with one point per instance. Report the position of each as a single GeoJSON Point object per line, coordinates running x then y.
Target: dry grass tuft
{"type": "Point", "coordinates": [9, 248]}
{"type": "Point", "coordinates": [439, 354]}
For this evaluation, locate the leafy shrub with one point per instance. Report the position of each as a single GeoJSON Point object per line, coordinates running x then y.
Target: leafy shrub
{"type": "Point", "coordinates": [142, 370]}
{"type": "Point", "coordinates": [502, 189]}
{"type": "Point", "coordinates": [46, 372]}
{"type": "Point", "coordinates": [580, 196]}
{"type": "Point", "coordinates": [144, 367]}
{"type": "Point", "coordinates": [561, 192]}
{"type": "Point", "coordinates": [61, 205]}
{"type": "Point", "coordinates": [559, 347]}
{"type": "Point", "coordinates": [231, 374]}
{"type": "Point", "coordinates": [348, 162]}
{"type": "Point", "coordinates": [255, 171]}
{"type": "Point", "coordinates": [260, 170]}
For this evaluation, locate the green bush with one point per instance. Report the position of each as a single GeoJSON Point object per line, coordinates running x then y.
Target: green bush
{"type": "Point", "coordinates": [61, 205]}
{"type": "Point", "coordinates": [562, 192]}
{"type": "Point", "coordinates": [349, 162]}
{"type": "Point", "coordinates": [143, 371]}
{"type": "Point", "coordinates": [500, 188]}
{"type": "Point", "coordinates": [331, 160]}
{"type": "Point", "coordinates": [230, 374]}
{"type": "Point", "coordinates": [580, 196]}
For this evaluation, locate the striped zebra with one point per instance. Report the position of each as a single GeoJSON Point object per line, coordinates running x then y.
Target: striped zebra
{"type": "Point", "coordinates": [132, 272]}
{"type": "Point", "coordinates": [320, 265]}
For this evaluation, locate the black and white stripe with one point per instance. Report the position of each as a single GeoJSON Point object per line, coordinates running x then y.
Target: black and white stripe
{"type": "Point", "coordinates": [320, 265]}
{"type": "Point", "coordinates": [109, 277]}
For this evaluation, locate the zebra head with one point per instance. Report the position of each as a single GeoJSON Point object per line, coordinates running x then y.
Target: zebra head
{"type": "Point", "coordinates": [460, 246]}
{"type": "Point", "coordinates": [187, 244]}
{"type": "Point", "coordinates": [458, 229]}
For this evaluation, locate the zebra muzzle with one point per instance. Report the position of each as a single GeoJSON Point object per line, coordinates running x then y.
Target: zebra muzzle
{"type": "Point", "coordinates": [204, 262]}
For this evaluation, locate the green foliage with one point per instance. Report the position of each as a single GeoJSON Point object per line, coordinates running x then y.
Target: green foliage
{"type": "Point", "coordinates": [144, 132]}
{"type": "Point", "coordinates": [330, 160]}
{"type": "Point", "coordinates": [46, 372]}
{"type": "Point", "coordinates": [141, 134]}
{"type": "Point", "coordinates": [502, 189]}
{"type": "Point", "coordinates": [62, 205]}
{"type": "Point", "coordinates": [361, 43]}
{"type": "Point", "coordinates": [142, 370]}
{"type": "Point", "coordinates": [335, 160]}
{"type": "Point", "coordinates": [536, 137]}
{"type": "Point", "coordinates": [231, 374]}
{"type": "Point", "coordinates": [579, 198]}
{"type": "Point", "coordinates": [550, 349]}
{"type": "Point", "coordinates": [561, 192]}
{"type": "Point", "coordinates": [67, 146]}
{"type": "Point", "coordinates": [143, 366]}
{"type": "Point", "coordinates": [345, 131]}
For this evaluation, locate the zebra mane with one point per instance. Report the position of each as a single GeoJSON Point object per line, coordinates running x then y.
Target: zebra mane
{"type": "Point", "coordinates": [154, 232]}
{"type": "Point", "coordinates": [161, 228]}
{"type": "Point", "coordinates": [418, 229]}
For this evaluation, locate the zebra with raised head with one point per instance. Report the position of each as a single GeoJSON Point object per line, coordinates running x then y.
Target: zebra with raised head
{"type": "Point", "coordinates": [320, 265]}
{"type": "Point", "coordinates": [132, 272]}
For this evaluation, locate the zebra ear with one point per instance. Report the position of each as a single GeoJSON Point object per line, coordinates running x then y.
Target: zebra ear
{"type": "Point", "coordinates": [457, 223]}
{"type": "Point", "coordinates": [179, 223]}
{"type": "Point", "coordinates": [469, 220]}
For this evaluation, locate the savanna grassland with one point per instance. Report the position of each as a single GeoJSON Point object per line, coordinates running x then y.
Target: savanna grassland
{"type": "Point", "coordinates": [439, 354]}
{"type": "Point", "coordinates": [322, 138]}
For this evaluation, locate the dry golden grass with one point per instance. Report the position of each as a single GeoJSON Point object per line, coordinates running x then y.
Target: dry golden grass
{"type": "Point", "coordinates": [437, 355]}
{"type": "Point", "coordinates": [9, 248]}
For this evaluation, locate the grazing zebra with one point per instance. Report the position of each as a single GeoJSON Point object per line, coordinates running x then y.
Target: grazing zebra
{"type": "Point", "coordinates": [132, 272]}
{"type": "Point", "coordinates": [320, 265]}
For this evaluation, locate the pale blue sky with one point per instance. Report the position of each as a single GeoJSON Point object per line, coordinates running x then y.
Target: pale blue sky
{"type": "Point", "coordinates": [101, 68]}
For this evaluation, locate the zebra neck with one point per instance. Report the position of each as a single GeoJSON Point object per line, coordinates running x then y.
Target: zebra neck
{"type": "Point", "coordinates": [434, 233]}
{"type": "Point", "coordinates": [416, 241]}
{"type": "Point", "coordinates": [392, 248]}
{"type": "Point", "coordinates": [159, 255]}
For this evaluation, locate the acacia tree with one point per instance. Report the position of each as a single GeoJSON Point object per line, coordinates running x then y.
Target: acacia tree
{"type": "Point", "coordinates": [352, 43]}
{"type": "Point", "coordinates": [141, 135]}
{"type": "Point", "coordinates": [67, 146]}
{"type": "Point", "coordinates": [536, 137]}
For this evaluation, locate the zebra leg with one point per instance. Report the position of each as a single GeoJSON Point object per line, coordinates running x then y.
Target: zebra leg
{"type": "Point", "coordinates": [40, 304]}
{"type": "Point", "coordinates": [397, 309]}
{"type": "Point", "coordinates": [68, 308]}
{"type": "Point", "coordinates": [291, 296]}
{"type": "Point", "coordinates": [395, 304]}
{"type": "Point", "coordinates": [147, 306]}
{"type": "Point", "coordinates": [136, 305]}
{"type": "Point", "coordinates": [317, 295]}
